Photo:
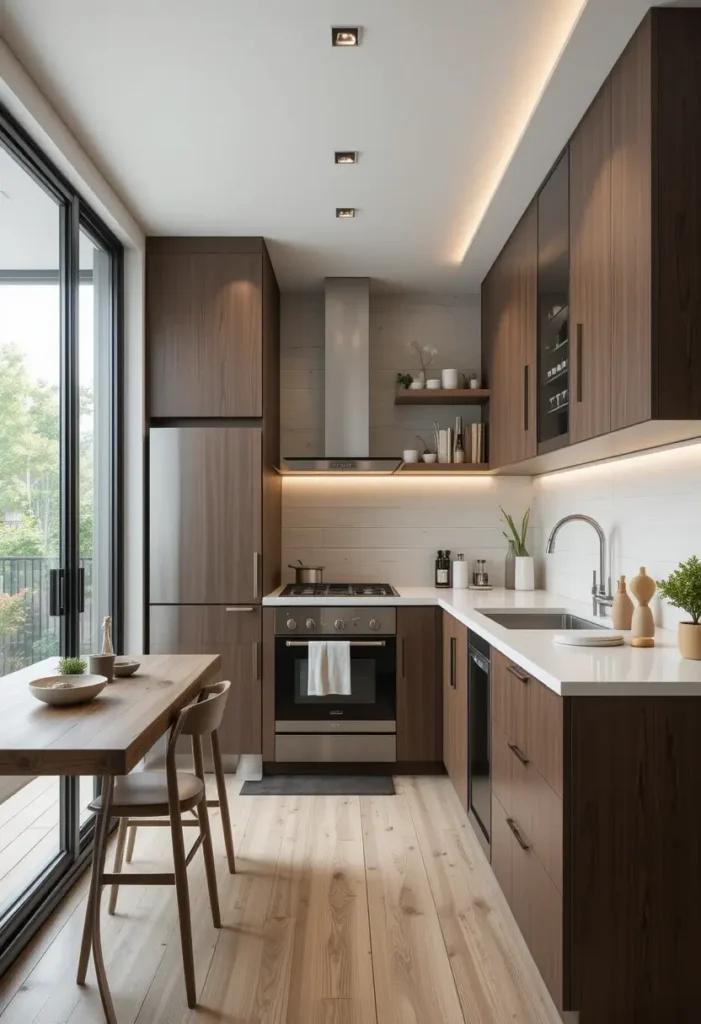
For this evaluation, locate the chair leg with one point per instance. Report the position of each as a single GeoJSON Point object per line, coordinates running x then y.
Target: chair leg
{"type": "Point", "coordinates": [183, 895]}
{"type": "Point", "coordinates": [118, 862]}
{"type": "Point", "coordinates": [223, 803]}
{"type": "Point", "coordinates": [209, 867]}
{"type": "Point", "coordinates": [130, 842]}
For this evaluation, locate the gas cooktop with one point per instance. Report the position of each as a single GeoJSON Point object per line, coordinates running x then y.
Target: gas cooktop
{"type": "Point", "coordinates": [338, 590]}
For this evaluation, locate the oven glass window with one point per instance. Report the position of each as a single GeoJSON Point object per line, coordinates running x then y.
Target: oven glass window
{"type": "Point", "coordinates": [363, 683]}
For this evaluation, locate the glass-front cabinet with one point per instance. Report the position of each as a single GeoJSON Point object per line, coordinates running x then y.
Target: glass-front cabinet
{"type": "Point", "coordinates": [553, 309]}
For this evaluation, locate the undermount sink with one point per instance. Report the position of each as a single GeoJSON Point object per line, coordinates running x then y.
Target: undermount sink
{"type": "Point", "coordinates": [541, 620]}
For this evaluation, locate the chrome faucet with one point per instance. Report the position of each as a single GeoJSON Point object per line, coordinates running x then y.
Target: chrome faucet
{"type": "Point", "coordinates": [601, 597]}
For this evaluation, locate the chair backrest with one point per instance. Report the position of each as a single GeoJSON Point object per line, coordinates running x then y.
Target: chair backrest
{"type": "Point", "coordinates": [204, 717]}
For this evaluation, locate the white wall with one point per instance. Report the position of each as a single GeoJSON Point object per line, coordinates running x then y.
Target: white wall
{"type": "Point", "coordinates": [649, 507]}
{"type": "Point", "coordinates": [388, 529]}
{"type": "Point", "coordinates": [385, 529]}
{"type": "Point", "coordinates": [19, 93]}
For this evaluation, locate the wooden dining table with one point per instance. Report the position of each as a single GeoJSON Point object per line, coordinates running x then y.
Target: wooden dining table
{"type": "Point", "coordinates": [106, 737]}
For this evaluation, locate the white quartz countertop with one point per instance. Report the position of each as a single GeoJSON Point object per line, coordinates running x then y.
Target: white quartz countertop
{"type": "Point", "coordinates": [569, 671]}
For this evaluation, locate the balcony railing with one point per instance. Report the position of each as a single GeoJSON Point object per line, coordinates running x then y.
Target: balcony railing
{"type": "Point", "coordinates": [38, 635]}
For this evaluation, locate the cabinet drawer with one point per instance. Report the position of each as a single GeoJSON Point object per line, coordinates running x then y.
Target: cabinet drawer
{"type": "Point", "coordinates": [527, 797]}
{"type": "Point", "coordinates": [531, 716]}
{"type": "Point", "coordinates": [537, 907]}
{"type": "Point", "coordinates": [534, 900]}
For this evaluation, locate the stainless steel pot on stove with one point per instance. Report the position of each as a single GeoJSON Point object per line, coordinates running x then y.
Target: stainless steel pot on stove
{"type": "Point", "coordinates": [307, 573]}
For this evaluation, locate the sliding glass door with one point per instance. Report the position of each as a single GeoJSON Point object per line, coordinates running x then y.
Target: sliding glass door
{"type": "Point", "coordinates": [60, 278]}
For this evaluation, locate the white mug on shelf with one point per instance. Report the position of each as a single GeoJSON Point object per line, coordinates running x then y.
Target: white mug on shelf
{"type": "Point", "coordinates": [410, 455]}
{"type": "Point", "coordinates": [450, 379]}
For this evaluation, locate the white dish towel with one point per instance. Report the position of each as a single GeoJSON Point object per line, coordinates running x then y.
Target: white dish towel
{"type": "Point", "coordinates": [329, 668]}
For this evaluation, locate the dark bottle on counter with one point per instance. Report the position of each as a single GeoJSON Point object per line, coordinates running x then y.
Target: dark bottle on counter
{"type": "Point", "coordinates": [443, 569]}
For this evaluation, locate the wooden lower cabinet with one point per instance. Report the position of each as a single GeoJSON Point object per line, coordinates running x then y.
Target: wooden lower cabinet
{"type": "Point", "coordinates": [234, 632]}
{"type": "Point", "coordinates": [419, 685]}
{"type": "Point", "coordinates": [455, 704]}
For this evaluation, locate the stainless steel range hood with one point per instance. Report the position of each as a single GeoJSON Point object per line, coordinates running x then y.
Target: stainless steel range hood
{"type": "Point", "coordinates": [347, 387]}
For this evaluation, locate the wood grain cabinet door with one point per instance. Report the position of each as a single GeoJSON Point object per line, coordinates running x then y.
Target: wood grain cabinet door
{"type": "Point", "coordinates": [205, 515]}
{"type": "Point", "coordinates": [631, 231]}
{"type": "Point", "coordinates": [204, 334]}
{"type": "Point", "coordinates": [591, 271]}
{"type": "Point", "coordinates": [234, 632]}
{"type": "Point", "coordinates": [455, 704]}
{"type": "Point", "coordinates": [419, 685]}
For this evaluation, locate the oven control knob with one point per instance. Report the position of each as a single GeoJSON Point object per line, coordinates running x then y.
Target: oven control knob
{"type": "Point", "coordinates": [339, 624]}
{"type": "Point", "coordinates": [310, 623]}
{"type": "Point", "coordinates": [292, 624]}
{"type": "Point", "coordinates": [374, 624]}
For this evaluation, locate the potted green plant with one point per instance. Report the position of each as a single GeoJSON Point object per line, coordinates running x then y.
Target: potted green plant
{"type": "Point", "coordinates": [524, 571]}
{"type": "Point", "coordinates": [404, 380]}
{"type": "Point", "coordinates": [71, 666]}
{"type": "Point", "coordinates": [682, 589]}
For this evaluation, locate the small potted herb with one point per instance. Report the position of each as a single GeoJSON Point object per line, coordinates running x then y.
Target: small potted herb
{"type": "Point", "coordinates": [404, 380]}
{"type": "Point", "coordinates": [524, 573]}
{"type": "Point", "coordinates": [71, 666]}
{"type": "Point", "coordinates": [682, 589]}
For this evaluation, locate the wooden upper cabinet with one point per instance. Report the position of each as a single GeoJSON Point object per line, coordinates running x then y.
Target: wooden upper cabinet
{"type": "Point", "coordinates": [510, 344]}
{"type": "Point", "coordinates": [419, 685]}
{"type": "Point", "coordinates": [631, 232]}
{"type": "Point", "coordinates": [590, 271]}
{"type": "Point", "coordinates": [204, 324]}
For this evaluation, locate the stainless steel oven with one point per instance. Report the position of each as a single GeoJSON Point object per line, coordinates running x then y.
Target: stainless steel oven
{"type": "Point", "coordinates": [358, 727]}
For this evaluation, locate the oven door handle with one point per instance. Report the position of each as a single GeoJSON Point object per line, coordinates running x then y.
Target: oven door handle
{"type": "Point", "coordinates": [352, 643]}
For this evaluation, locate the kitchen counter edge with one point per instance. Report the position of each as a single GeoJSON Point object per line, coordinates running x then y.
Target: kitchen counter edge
{"type": "Point", "coordinates": [568, 671]}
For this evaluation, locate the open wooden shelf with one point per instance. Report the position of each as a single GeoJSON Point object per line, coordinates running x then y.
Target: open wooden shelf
{"type": "Point", "coordinates": [442, 396]}
{"type": "Point", "coordinates": [466, 468]}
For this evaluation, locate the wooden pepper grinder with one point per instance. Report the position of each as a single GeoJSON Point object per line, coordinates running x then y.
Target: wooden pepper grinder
{"type": "Point", "coordinates": [642, 588]}
{"type": "Point", "coordinates": [622, 608]}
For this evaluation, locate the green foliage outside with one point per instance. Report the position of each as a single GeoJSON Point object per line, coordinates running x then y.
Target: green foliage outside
{"type": "Point", "coordinates": [682, 588]}
{"type": "Point", "coordinates": [30, 462]}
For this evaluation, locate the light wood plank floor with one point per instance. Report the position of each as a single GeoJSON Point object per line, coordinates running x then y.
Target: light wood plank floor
{"type": "Point", "coordinates": [345, 910]}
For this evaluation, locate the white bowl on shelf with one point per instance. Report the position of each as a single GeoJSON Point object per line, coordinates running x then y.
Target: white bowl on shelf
{"type": "Point", "coordinates": [429, 457]}
{"type": "Point", "coordinates": [61, 691]}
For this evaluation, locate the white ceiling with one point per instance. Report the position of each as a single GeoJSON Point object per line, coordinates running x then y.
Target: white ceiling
{"type": "Point", "coordinates": [221, 117]}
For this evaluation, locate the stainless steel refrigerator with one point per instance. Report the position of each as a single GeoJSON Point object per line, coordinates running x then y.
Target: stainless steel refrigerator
{"type": "Point", "coordinates": [205, 568]}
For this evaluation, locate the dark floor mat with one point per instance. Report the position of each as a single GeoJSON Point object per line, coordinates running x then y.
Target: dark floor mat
{"type": "Point", "coordinates": [320, 785]}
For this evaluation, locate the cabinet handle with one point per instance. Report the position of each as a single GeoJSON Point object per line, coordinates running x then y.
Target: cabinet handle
{"type": "Point", "coordinates": [519, 753]}
{"type": "Point", "coordinates": [256, 563]}
{"type": "Point", "coordinates": [403, 657]}
{"type": "Point", "coordinates": [256, 662]}
{"type": "Point", "coordinates": [517, 835]}
{"type": "Point", "coordinates": [522, 676]}
{"type": "Point", "coordinates": [526, 416]}
{"type": "Point", "coordinates": [579, 362]}
{"type": "Point", "coordinates": [453, 643]}
{"type": "Point", "coordinates": [240, 608]}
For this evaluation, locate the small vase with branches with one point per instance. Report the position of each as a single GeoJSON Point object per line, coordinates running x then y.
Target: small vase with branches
{"type": "Point", "coordinates": [426, 356]}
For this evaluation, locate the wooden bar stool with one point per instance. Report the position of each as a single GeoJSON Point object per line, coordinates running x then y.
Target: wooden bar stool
{"type": "Point", "coordinates": [128, 828]}
{"type": "Point", "coordinates": [170, 794]}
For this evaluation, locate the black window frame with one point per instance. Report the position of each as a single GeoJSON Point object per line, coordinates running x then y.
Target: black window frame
{"type": "Point", "coordinates": [22, 920]}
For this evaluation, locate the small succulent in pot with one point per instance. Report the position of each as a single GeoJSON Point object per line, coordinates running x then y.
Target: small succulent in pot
{"type": "Point", "coordinates": [71, 666]}
{"type": "Point", "coordinates": [682, 589]}
{"type": "Point", "coordinates": [404, 380]}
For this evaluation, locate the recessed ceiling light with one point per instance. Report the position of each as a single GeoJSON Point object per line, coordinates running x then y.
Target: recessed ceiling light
{"type": "Point", "coordinates": [345, 36]}
{"type": "Point", "coordinates": [345, 212]}
{"type": "Point", "coordinates": [345, 156]}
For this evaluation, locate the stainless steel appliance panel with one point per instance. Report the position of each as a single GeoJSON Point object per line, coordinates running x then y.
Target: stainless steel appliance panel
{"type": "Point", "coordinates": [383, 726]}
{"type": "Point", "coordinates": [335, 748]}
{"type": "Point", "coordinates": [342, 621]}
{"type": "Point", "coordinates": [205, 515]}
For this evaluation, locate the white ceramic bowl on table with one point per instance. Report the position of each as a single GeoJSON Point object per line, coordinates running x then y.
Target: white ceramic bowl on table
{"type": "Point", "coordinates": [125, 667]}
{"type": "Point", "coordinates": [60, 691]}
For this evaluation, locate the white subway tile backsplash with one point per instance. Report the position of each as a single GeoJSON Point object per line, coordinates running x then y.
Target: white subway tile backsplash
{"type": "Point", "coordinates": [649, 507]}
